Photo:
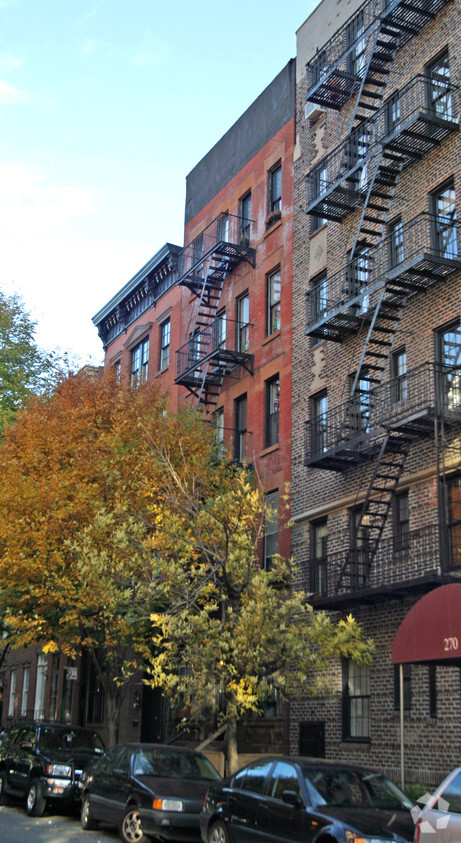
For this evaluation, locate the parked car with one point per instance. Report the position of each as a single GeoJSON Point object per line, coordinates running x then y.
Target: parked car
{"type": "Point", "coordinates": [147, 790]}
{"type": "Point", "coordinates": [44, 761]}
{"type": "Point", "coordinates": [440, 818]}
{"type": "Point", "coordinates": [299, 799]}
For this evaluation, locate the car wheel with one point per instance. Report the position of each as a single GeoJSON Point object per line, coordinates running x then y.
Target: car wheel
{"type": "Point", "coordinates": [3, 796]}
{"type": "Point", "coordinates": [35, 802]}
{"type": "Point", "coordinates": [218, 833]}
{"type": "Point", "coordinates": [87, 821]}
{"type": "Point", "coordinates": [130, 830]}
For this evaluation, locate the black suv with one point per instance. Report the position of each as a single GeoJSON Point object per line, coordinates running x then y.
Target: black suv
{"type": "Point", "coordinates": [44, 761]}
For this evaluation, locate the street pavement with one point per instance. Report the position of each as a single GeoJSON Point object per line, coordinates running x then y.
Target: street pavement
{"type": "Point", "coordinates": [17, 827]}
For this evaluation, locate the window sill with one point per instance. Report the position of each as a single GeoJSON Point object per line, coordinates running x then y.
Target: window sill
{"type": "Point", "coordinates": [271, 337]}
{"type": "Point", "coordinates": [270, 449]}
{"type": "Point", "coordinates": [272, 227]}
{"type": "Point", "coordinates": [320, 228]}
{"type": "Point", "coordinates": [161, 371]}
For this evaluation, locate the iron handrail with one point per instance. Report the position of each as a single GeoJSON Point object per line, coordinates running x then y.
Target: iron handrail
{"type": "Point", "coordinates": [224, 229]}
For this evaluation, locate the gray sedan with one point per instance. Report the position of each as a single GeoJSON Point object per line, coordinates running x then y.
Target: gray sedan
{"type": "Point", "coordinates": [440, 819]}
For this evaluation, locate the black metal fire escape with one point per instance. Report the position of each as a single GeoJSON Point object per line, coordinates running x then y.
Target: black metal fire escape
{"type": "Point", "coordinates": [211, 352]}
{"type": "Point", "coordinates": [362, 172]}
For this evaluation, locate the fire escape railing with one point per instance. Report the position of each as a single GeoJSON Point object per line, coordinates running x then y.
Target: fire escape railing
{"type": "Point", "coordinates": [409, 123]}
{"type": "Point", "coordinates": [228, 235]}
{"type": "Point", "coordinates": [428, 249]}
{"type": "Point", "coordinates": [407, 558]}
{"type": "Point", "coordinates": [351, 432]}
{"type": "Point", "coordinates": [333, 75]}
{"type": "Point", "coordinates": [224, 342]}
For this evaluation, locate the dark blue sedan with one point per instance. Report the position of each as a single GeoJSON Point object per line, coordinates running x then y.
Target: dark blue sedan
{"type": "Point", "coordinates": [285, 800]}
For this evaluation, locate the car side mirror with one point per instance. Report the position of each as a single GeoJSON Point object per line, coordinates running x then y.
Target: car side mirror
{"type": "Point", "coordinates": [121, 774]}
{"type": "Point", "coordinates": [290, 797]}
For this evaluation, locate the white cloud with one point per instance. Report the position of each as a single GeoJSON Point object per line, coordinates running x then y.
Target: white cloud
{"type": "Point", "coordinates": [9, 62]}
{"type": "Point", "coordinates": [10, 95]}
{"type": "Point", "coordinates": [150, 52]}
{"type": "Point", "coordinates": [28, 202]}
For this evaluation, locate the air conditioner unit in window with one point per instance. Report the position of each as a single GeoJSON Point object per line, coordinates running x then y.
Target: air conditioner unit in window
{"type": "Point", "coordinates": [313, 111]}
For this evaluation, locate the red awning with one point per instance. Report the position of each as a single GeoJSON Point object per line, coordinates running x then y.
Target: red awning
{"type": "Point", "coordinates": [431, 631]}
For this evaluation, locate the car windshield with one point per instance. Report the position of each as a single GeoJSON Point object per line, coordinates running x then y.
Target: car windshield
{"type": "Point", "coordinates": [64, 739]}
{"type": "Point", "coordinates": [359, 788]}
{"type": "Point", "coordinates": [173, 764]}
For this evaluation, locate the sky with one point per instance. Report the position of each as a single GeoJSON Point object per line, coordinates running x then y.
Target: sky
{"type": "Point", "coordinates": [105, 107]}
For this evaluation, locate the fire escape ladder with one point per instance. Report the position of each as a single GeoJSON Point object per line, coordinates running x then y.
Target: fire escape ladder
{"type": "Point", "coordinates": [377, 203]}
{"type": "Point", "coordinates": [375, 76]}
{"type": "Point", "coordinates": [210, 293]}
{"type": "Point", "coordinates": [369, 524]}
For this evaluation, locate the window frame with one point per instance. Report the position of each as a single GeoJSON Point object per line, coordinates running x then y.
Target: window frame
{"type": "Point", "coordinates": [240, 427]}
{"type": "Point", "coordinates": [319, 428]}
{"type": "Point", "coordinates": [273, 304]}
{"type": "Point", "coordinates": [245, 219]}
{"type": "Point", "coordinates": [319, 563]}
{"type": "Point", "coordinates": [398, 365]}
{"type": "Point", "coordinates": [356, 701]}
{"type": "Point", "coordinates": [438, 90]}
{"type": "Point", "coordinates": [407, 695]}
{"type": "Point", "coordinates": [164, 356]}
{"type": "Point", "coordinates": [243, 324]}
{"type": "Point", "coordinates": [272, 414]}
{"type": "Point", "coordinates": [271, 499]}
{"type": "Point", "coordinates": [443, 224]}
{"type": "Point", "coordinates": [139, 366]}
{"type": "Point", "coordinates": [401, 521]}
{"type": "Point", "coordinates": [275, 189]}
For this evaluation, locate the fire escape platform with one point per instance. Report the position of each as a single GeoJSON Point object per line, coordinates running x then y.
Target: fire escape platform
{"type": "Point", "coordinates": [405, 408]}
{"type": "Point", "coordinates": [330, 79]}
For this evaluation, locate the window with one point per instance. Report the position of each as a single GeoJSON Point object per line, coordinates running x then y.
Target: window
{"type": "Point", "coordinates": [272, 411]}
{"type": "Point", "coordinates": [355, 36]}
{"type": "Point", "coordinates": [358, 276]}
{"type": "Point", "coordinates": [440, 99]}
{"type": "Point", "coordinates": [25, 691]}
{"type": "Point", "coordinates": [219, 330]}
{"type": "Point", "coordinates": [395, 243]}
{"type": "Point", "coordinates": [319, 66]}
{"type": "Point", "coordinates": [360, 543]}
{"type": "Point", "coordinates": [223, 227]}
{"type": "Point", "coordinates": [454, 521]}
{"type": "Point", "coordinates": [165, 329]}
{"type": "Point", "coordinates": [359, 410]}
{"type": "Point", "coordinates": [401, 514]}
{"type": "Point", "coordinates": [392, 112]}
{"type": "Point", "coordinates": [320, 185]}
{"type": "Point", "coordinates": [448, 351]}
{"type": "Point", "coordinates": [444, 211]}
{"type": "Point", "coordinates": [273, 302]}
{"type": "Point", "coordinates": [243, 323]}
{"type": "Point", "coordinates": [245, 219]}
{"type": "Point", "coordinates": [318, 302]}
{"type": "Point", "coordinates": [118, 370]}
{"type": "Point", "coordinates": [12, 696]}
{"type": "Point", "coordinates": [275, 189]}
{"type": "Point", "coordinates": [399, 376]}
{"type": "Point", "coordinates": [219, 431]}
{"type": "Point", "coordinates": [319, 406]}
{"type": "Point", "coordinates": [406, 687]}
{"type": "Point", "coordinates": [254, 778]}
{"type": "Point", "coordinates": [356, 701]}
{"type": "Point", "coordinates": [318, 567]}
{"type": "Point", "coordinates": [271, 528]}
{"type": "Point", "coordinates": [449, 802]}
{"type": "Point", "coordinates": [139, 363]}
{"type": "Point", "coordinates": [240, 446]}
{"type": "Point", "coordinates": [283, 778]}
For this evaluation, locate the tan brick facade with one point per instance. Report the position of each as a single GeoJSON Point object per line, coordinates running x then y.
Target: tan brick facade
{"type": "Point", "coordinates": [395, 579]}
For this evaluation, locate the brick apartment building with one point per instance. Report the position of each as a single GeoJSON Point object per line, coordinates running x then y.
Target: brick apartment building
{"type": "Point", "coordinates": [211, 322]}
{"type": "Point", "coordinates": [376, 356]}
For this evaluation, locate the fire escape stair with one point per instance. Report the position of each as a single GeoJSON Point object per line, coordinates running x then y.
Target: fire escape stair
{"type": "Point", "coordinates": [369, 526]}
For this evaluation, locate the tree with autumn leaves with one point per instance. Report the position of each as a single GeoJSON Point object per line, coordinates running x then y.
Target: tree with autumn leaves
{"type": "Point", "coordinates": [123, 536]}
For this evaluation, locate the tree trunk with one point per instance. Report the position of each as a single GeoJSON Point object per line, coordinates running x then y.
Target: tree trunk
{"type": "Point", "coordinates": [111, 719]}
{"type": "Point", "coordinates": [231, 759]}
